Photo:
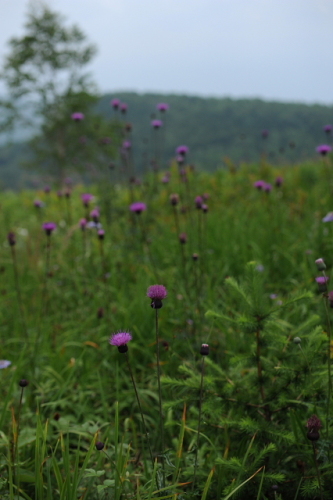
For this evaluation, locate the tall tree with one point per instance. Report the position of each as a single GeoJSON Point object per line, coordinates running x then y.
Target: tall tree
{"type": "Point", "coordinates": [46, 83]}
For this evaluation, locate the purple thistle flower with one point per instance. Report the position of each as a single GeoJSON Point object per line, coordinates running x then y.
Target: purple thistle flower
{"type": "Point", "coordinates": [94, 214]}
{"type": "Point", "coordinates": [11, 238]}
{"type": "Point", "coordinates": [86, 198]}
{"type": "Point", "coordinates": [162, 106]}
{"type": "Point", "coordinates": [183, 238]}
{"type": "Point", "coordinates": [156, 293]}
{"type": "Point", "coordinates": [123, 107]}
{"type": "Point", "coordinates": [313, 424]}
{"type": "Point", "coordinates": [323, 149]}
{"type": "Point", "coordinates": [259, 185]}
{"type": "Point", "coordinates": [115, 103]}
{"type": "Point", "coordinates": [182, 150]}
{"type": "Point", "coordinates": [77, 117]}
{"type": "Point", "coordinates": [180, 160]}
{"type": "Point", "coordinates": [174, 199]}
{"type": "Point", "coordinates": [47, 189]}
{"type": "Point", "coordinates": [101, 234]}
{"type": "Point", "coordinates": [321, 266]}
{"type": "Point", "coordinates": [4, 363]}
{"type": "Point", "coordinates": [204, 208]}
{"type": "Point", "coordinates": [121, 340]}
{"type": "Point", "coordinates": [126, 145]}
{"type": "Point", "coordinates": [267, 187]}
{"type": "Point", "coordinates": [204, 350]}
{"type": "Point", "coordinates": [165, 179]}
{"type": "Point", "coordinates": [279, 181]}
{"type": "Point", "coordinates": [138, 207]}
{"type": "Point", "coordinates": [327, 129]}
{"type": "Point", "coordinates": [198, 202]}
{"type": "Point", "coordinates": [328, 217]}
{"type": "Point", "coordinates": [156, 124]}
{"type": "Point", "coordinates": [38, 204]}
{"type": "Point", "coordinates": [49, 227]}
{"type": "Point", "coordinates": [83, 223]}
{"type": "Point", "coordinates": [322, 280]}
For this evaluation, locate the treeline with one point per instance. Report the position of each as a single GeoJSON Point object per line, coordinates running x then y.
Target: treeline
{"type": "Point", "coordinates": [217, 131]}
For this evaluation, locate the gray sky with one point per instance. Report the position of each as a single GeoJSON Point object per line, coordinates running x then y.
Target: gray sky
{"type": "Point", "coordinates": [272, 49]}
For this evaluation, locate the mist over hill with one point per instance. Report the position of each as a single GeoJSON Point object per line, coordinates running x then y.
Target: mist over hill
{"type": "Point", "coordinates": [214, 129]}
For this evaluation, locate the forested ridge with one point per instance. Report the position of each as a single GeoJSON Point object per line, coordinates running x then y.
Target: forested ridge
{"type": "Point", "coordinates": [217, 131]}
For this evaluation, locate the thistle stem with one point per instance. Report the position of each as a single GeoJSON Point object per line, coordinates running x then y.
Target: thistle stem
{"type": "Point", "coordinates": [159, 393]}
{"type": "Point", "coordinates": [140, 409]}
{"type": "Point", "coordinates": [199, 422]}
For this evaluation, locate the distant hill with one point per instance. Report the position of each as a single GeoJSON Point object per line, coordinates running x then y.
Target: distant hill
{"type": "Point", "coordinates": [213, 129]}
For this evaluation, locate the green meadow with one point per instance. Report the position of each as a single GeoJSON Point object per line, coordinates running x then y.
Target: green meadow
{"type": "Point", "coordinates": [81, 420]}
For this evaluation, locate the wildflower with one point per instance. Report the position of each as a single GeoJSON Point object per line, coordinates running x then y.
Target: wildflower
{"type": "Point", "coordinates": [204, 350]}
{"type": "Point", "coordinates": [321, 266]}
{"type": "Point", "coordinates": [322, 283]}
{"type": "Point", "coordinates": [121, 340]}
{"type": "Point", "coordinates": [162, 106]}
{"type": "Point", "coordinates": [182, 150]}
{"type": "Point", "coordinates": [327, 129]}
{"type": "Point", "coordinates": [328, 217]}
{"type": "Point", "coordinates": [126, 145]}
{"type": "Point", "coordinates": [279, 181]}
{"type": "Point", "coordinates": [49, 227]}
{"type": "Point", "coordinates": [99, 446]}
{"type": "Point", "coordinates": [115, 103]}
{"type": "Point", "coordinates": [259, 185]}
{"type": "Point", "coordinates": [83, 224]}
{"type": "Point", "coordinates": [11, 238]}
{"type": "Point", "coordinates": [23, 382]}
{"type": "Point", "coordinates": [204, 208]}
{"type": "Point", "coordinates": [180, 160]}
{"type": "Point", "coordinates": [94, 214]}
{"type": "Point", "coordinates": [174, 199]}
{"type": "Point", "coordinates": [138, 207]}
{"type": "Point", "coordinates": [157, 293]}
{"type": "Point", "coordinates": [183, 238]}
{"type": "Point", "coordinates": [198, 202]}
{"type": "Point", "coordinates": [38, 204]}
{"type": "Point", "coordinates": [313, 424]}
{"type": "Point", "coordinates": [195, 256]}
{"type": "Point", "coordinates": [323, 149]}
{"type": "Point", "coordinates": [4, 363]}
{"type": "Point", "coordinates": [123, 107]}
{"type": "Point", "coordinates": [77, 117]}
{"type": "Point", "coordinates": [86, 198]}
{"type": "Point", "coordinates": [267, 187]}
{"type": "Point", "coordinates": [47, 189]}
{"type": "Point", "coordinates": [101, 234]}
{"type": "Point", "coordinates": [166, 179]}
{"type": "Point", "coordinates": [156, 124]}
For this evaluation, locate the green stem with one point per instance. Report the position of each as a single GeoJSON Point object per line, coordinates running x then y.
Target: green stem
{"type": "Point", "coordinates": [140, 409]}
{"type": "Point", "coordinates": [199, 422]}
{"type": "Point", "coordinates": [160, 393]}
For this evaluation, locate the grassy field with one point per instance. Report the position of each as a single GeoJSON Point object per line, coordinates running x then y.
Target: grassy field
{"type": "Point", "coordinates": [250, 420]}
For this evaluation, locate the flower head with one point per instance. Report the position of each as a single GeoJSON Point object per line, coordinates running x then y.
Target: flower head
{"type": "Point", "coordinates": [182, 150]}
{"type": "Point", "coordinates": [77, 117]}
{"type": "Point", "coordinates": [101, 234]}
{"type": "Point", "coordinates": [49, 227]}
{"type": "Point", "coordinates": [138, 207]}
{"type": "Point", "coordinates": [162, 106]}
{"type": "Point", "coordinates": [198, 202]}
{"type": "Point", "coordinates": [313, 424]}
{"type": "Point", "coordinates": [126, 145]}
{"type": "Point", "coordinates": [47, 189]}
{"type": "Point", "coordinates": [38, 204]}
{"type": "Point", "coordinates": [204, 350]}
{"type": "Point", "coordinates": [279, 181]}
{"type": "Point", "coordinates": [121, 340]}
{"type": "Point", "coordinates": [321, 266]}
{"type": "Point", "coordinates": [156, 293]}
{"type": "Point", "coordinates": [322, 283]}
{"type": "Point", "coordinates": [327, 129]}
{"type": "Point", "coordinates": [115, 103]}
{"type": "Point", "coordinates": [11, 238]}
{"type": "Point", "coordinates": [259, 185]}
{"type": "Point", "coordinates": [156, 124]}
{"type": "Point", "coordinates": [94, 214]}
{"type": "Point", "coordinates": [83, 223]}
{"type": "Point", "coordinates": [323, 149]}
{"type": "Point", "coordinates": [123, 107]}
{"type": "Point", "coordinates": [4, 363]}
{"type": "Point", "coordinates": [328, 217]}
{"type": "Point", "coordinates": [86, 198]}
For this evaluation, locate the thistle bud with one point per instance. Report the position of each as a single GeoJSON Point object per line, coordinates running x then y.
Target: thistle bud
{"type": "Point", "coordinates": [321, 266]}
{"type": "Point", "coordinates": [204, 350]}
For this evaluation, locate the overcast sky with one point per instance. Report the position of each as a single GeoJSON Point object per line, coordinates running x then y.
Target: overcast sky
{"type": "Point", "coordinates": [272, 49]}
